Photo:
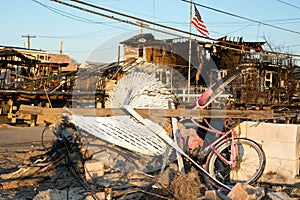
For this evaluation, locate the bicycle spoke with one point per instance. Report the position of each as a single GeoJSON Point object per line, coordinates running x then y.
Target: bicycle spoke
{"type": "Point", "coordinates": [248, 163]}
{"type": "Point", "coordinates": [248, 166]}
{"type": "Point", "coordinates": [223, 173]}
{"type": "Point", "coordinates": [240, 175]}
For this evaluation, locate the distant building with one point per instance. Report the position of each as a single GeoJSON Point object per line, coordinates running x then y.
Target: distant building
{"type": "Point", "coordinates": [164, 56]}
{"type": "Point", "coordinates": [270, 78]}
{"type": "Point", "coordinates": [33, 70]}
{"type": "Point", "coordinates": [62, 59]}
{"type": "Point", "coordinates": [169, 51]}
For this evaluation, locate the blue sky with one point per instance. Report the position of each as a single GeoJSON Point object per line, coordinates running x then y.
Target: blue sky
{"type": "Point", "coordinates": [84, 34]}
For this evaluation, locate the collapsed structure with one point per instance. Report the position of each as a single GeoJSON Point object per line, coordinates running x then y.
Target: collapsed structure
{"type": "Point", "coordinates": [26, 74]}
{"type": "Point", "coordinates": [271, 77]}
{"type": "Point", "coordinates": [37, 77]}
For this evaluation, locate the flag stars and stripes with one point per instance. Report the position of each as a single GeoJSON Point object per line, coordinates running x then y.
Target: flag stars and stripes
{"type": "Point", "coordinates": [198, 22]}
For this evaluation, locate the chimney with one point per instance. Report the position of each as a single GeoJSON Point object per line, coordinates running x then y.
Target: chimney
{"type": "Point", "coordinates": [60, 47]}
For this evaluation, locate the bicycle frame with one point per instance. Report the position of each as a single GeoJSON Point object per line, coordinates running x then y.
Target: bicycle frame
{"type": "Point", "coordinates": [202, 102]}
{"type": "Point", "coordinates": [224, 135]}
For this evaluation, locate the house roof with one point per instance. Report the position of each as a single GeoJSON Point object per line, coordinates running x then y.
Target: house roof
{"type": "Point", "coordinates": [240, 43]}
{"type": "Point", "coordinates": [62, 58]}
{"type": "Point", "coordinates": [138, 39]}
{"type": "Point", "coordinates": [9, 52]}
{"type": "Point", "coordinates": [21, 48]}
{"type": "Point", "coordinates": [91, 64]}
{"type": "Point", "coordinates": [5, 52]}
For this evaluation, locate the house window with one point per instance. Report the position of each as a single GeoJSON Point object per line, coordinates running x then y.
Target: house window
{"type": "Point", "coordinates": [42, 57]}
{"type": "Point", "coordinates": [268, 79]}
{"type": "Point", "coordinates": [141, 52]}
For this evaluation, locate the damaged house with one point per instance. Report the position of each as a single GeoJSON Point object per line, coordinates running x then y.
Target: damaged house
{"type": "Point", "coordinates": [27, 74]}
{"type": "Point", "coordinates": [269, 78]}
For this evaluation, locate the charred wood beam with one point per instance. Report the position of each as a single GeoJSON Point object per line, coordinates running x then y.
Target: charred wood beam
{"type": "Point", "coordinates": [41, 92]}
{"type": "Point", "coordinates": [149, 113]}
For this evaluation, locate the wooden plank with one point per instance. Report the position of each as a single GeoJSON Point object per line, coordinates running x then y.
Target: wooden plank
{"type": "Point", "coordinates": [185, 113]}
{"type": "Point", "coordinates": [149, 113]}
{"type": "Point", "coordinates": [99, 112]}
{"type": "Point", "coordinates": [175, 131]}
{"type": "Point", "coordinates": [26, 109]}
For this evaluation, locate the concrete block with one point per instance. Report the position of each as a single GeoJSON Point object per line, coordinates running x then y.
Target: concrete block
{"type": "Point", "coordinates": [93, 169]}
{"type": "Point", "coordinates": [245, 191]}
{"type": "Point", "coordinates": [276, 132]}
{"type": "Point", "coordinates": [281, 144]}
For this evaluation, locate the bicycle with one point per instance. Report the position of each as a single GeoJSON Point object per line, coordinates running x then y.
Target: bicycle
{"type": "Point", "coordinates": [229, 159]}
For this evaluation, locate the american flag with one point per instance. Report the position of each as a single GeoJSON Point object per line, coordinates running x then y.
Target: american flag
{"type": "Point", "coordinates": [199, 23]}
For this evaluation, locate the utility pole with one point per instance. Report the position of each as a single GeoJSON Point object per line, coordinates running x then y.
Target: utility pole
{"type": "Point", "coordinates": [28, 39]}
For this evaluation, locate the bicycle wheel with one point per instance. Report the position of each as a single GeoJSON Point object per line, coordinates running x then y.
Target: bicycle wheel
{"type": "Point", "coordinates": [249, 167]}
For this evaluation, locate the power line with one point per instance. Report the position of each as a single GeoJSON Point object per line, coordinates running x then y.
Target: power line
{"type": "Point", "coordinates": [144, 24]}
{"type": "Point", "coordinates": [156, 24]}
{"type": "Point", "coordinates": [241, 17]}
{"type": "Point", "coordinates": [278, 20]}
{"type": "Point", "coordinates": [295, 45]}
{"type": "Point", "coordinates": [234, 31]}
{"type": "Point", "coordinates": [286, 3]}
{"type": "Point", "coordinates": [153, 16]}
{"type": "Point", "coordinates": [12, 41]}
{"type": "Point", "coordinates": [65, 14]}
{"type": "Point", "coordinates": [76, 17]}
{"type": "Point", "coordinates": [235, 23]}
{"type": "Point", "coordinates": [79, 36]}
{"type": "Point", "coordinates": [90, 21]}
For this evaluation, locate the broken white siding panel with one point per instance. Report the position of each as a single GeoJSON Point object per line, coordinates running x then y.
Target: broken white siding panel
{"type": "Point", "coordinates": [122, 131]}
{"type": "Point", "coordinates": [281, 144]}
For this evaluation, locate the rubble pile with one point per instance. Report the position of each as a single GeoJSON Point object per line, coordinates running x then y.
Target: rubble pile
{"type": "Point", "coordinates": [66, 170]}
{"type": "Point", "coordinates": [79, 166]}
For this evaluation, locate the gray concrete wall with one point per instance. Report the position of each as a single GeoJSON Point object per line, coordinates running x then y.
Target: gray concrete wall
{"type": "Point", "coordinates": [281, 144]}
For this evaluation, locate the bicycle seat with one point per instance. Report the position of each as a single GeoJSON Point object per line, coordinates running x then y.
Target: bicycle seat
{"type": "Point", "coordinates": [216, 89]}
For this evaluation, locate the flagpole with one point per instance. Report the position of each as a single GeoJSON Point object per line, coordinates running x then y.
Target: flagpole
{"type": "Point", "coordinates": [190, 52]}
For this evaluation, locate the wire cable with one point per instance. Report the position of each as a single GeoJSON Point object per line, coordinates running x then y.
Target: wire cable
{"type": "Point", "coordinates": [245, 18]}
{"type": "Point", "coordinates": [222, 43]}
{"type": "Point", "coordinates": [80, 36]}
{"type": "Point", "coordinates": [65, 14]}
{"type": "Point", "coordinates": [76, 17]}
{"type": "Point", "coordinates": [286, 3]}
